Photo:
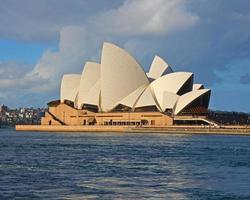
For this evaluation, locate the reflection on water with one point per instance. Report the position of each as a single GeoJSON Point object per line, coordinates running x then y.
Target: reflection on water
{"type": "Point", "coordinates": [123, 166]}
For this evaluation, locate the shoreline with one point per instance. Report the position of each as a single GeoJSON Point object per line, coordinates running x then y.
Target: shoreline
{"type": "Point", "coordinates": [228, 130]}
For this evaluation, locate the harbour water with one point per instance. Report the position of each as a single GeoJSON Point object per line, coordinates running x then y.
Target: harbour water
{"type": "Point", "coordinates": [36, 165]}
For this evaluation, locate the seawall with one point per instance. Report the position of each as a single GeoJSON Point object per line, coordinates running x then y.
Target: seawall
{"type": "Point", "coordinates": [229, 130]}
{"type": "Point", "coordinates": [60, 128]}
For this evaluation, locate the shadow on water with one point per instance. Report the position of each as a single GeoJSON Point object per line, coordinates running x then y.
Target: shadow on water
{"type": "Point", "coordinates": [36, 165]}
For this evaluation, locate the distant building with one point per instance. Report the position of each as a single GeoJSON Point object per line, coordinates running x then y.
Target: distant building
{"type": "Point", "coordinates": [3, 109]}
{"type": "Point", "coordinates": [118, 92]}
{"type": "Point", "coordinates": [11, 117]}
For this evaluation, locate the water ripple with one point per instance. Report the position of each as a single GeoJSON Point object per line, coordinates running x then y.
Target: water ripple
{"type": "Point", "coordinates": [123, 166]}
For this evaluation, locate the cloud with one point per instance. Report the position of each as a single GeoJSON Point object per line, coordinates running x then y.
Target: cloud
{"type": "Point", "coordinates": [11, 70]}
{"type": "Point", "coordinates": [245, 79]}
{"type": "Point", "coordinates": [11, 76]}
{"type": "Point", "coordinates": [14, 87]}
{"type": "Point", "coordinates": [76, 45]}
{"type": "Point", "coordinates": [22, 84]}
{"type": "Point", "coordinates": [200, 36]}
{"type": "Point", "coordinates": [42, 21]}
{"type": "Point", "coordinates": [142, 17]}
{"type": "Point", "coordinates": [231, 93]}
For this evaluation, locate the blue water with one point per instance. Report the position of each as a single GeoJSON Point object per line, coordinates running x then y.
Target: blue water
{"type": "Point", "coordinates": [35, 165]}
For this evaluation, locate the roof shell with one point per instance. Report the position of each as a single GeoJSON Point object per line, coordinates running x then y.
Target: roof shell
{"type": "Point", "coordinates": [198, 86]}
{"type": "Point", "coordinates": [69, 87]}
{"type": "Point", "coordinates": [158, 68]}
{"type": "Point", "coordinates": [188, 98]}
{"type": "Point", "coordinates": [147, 99]}
{"type": "Point", "coordinates": [93, 96]}
{"type": "Point", "coordinates": [90, 76]}
{"type": "Point", "coordinates": [169, 100]}
{"type": "Point", "coordinates": [121, 74]}
{"type": "Point", "coordinates": [132, 98]}
{"type": "Point", "coordinates": [171, 83]}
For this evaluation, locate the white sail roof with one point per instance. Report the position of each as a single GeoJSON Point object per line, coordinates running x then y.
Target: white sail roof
{"type": "Point", "coordinates": [158, 68]}
{"type": "Point", "coordinates": [69, 87]}
{"type": "Point", "coordinates": [131, 99]}
{"type": "Point", "coordinates": [92, 97]}
{"type": "Point", "coordinates": [119, 79]}
{"type": "Point", "coordinates": [197, 86]}
{"type": "Point", "coordinates": [146, 99]}
{"type": "Point", "coordinates": [90, 76]}
{"type": "Point", "coordinates": [120, 75]}
{"type": "Point", "coordinates": [188, 98]}
{"type": "Point", "coordinates": [169, 83]}
{"type": "Point", "coordinates": [169, 100]}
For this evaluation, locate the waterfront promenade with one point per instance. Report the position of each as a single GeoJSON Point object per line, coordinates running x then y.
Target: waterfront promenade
{"type": "Point", "coordinates": [231, 130]}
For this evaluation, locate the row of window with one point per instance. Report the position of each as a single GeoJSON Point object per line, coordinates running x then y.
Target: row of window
{"type": "Point", "coordinates": [126, 123]}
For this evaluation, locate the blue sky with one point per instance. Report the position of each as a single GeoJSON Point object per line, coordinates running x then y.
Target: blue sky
{"type": "Point", "coordinates": [41, 40]}
{"type": "Point", "coordinates": [21, 51]}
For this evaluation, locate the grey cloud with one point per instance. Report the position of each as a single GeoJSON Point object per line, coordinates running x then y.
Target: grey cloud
{"type": "Point", "coordinates": [12, 70]}
{"type": "Point", "coordinates": [213, 44]}
{"type": "Point", "coordinates": [205, 47]}
{"type": "Point", "coordinates": [141, 17]}
{"type": "Point", "coordinates": [13, 85]}
{"type": "Point", "coordinates": [80, 43]}
{"type": "Point", "coordinates": [76, 45]}
{"type": "Point", "coordinates": [42, 20]}
{"type": "Point", "coordinates": [245, 79]}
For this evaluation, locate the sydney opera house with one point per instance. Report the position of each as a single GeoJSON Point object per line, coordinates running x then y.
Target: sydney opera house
{"type": "Point", "coordinates": [118, 92]}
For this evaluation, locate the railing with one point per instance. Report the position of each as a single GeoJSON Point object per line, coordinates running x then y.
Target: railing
{"type": "Point", "coordinates": [213, 121]}
{"type": "Point", "coordinates": [56, 119]}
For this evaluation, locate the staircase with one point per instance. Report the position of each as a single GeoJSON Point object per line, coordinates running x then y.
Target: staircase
{"type": "Point", "coordinates": [56, 119]}
{"type": "Point", "coordinates": [211, 122]}
{"type": "Point", "coordinates": [204, 119]}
